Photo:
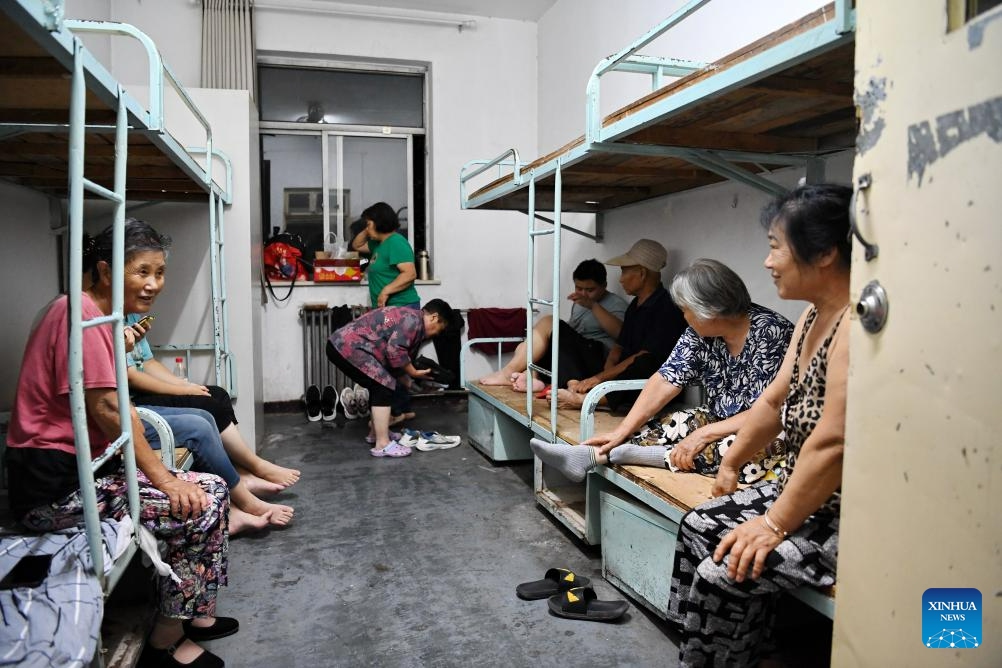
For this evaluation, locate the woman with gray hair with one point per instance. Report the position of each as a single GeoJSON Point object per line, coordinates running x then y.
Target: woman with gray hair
{"type": "Point", "coordinates": [732, 346]}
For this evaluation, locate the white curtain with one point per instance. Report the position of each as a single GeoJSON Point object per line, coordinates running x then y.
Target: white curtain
{"type": "Point", "coordinates": [228, 44]}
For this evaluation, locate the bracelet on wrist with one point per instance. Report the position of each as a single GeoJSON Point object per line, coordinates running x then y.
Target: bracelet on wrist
{"type": "Point", "coordinates": [773, 526]}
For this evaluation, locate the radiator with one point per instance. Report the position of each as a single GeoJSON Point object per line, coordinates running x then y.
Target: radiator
{"type": "Point", "coordinates": [318, 324]}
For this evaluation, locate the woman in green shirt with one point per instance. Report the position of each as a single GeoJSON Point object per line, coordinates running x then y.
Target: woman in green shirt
{"type": "Point", "coordinates": [391, 275]}
{"type": "Point", "coordinates": [391, 269]}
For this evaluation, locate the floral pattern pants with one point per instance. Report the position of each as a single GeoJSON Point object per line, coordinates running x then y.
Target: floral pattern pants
{"type": "Point", "coordinates": [196, 547]}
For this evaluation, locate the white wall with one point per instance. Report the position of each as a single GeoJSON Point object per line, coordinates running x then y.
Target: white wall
{"type": "Point", "coordinates": [29, 270]}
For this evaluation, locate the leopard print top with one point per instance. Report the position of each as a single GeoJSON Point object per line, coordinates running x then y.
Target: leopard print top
{"type": "Point", "coordinates": [804, 404]}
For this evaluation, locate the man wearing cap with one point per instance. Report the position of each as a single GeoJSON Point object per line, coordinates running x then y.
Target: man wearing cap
{"type": "Point", "coordinates": [651, 327]}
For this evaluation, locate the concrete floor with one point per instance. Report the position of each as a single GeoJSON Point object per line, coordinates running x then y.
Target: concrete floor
{"type": "Point", "coordinates": [413, 562]}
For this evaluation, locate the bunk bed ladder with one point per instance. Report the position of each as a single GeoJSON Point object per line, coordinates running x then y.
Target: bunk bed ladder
{"type": "Point", "coordinates": [124, 443]}
{"type": "Point", "coordinates": [534, 232]}
{"type": "Point", "coordinates": [222, 358]}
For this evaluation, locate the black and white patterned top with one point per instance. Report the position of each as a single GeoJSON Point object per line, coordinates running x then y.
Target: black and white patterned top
{"type": "Point", "coordinates": [805, 402]}
{"type": "Point", "coordinates": [732, 383]}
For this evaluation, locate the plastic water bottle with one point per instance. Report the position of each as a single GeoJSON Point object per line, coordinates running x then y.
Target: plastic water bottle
{"type": "Point", "coordinates": [180, 372]}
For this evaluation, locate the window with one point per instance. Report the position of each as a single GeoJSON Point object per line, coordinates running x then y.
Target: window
{"type": "Point", "coordinates": [962, 11]}
{"type": "Point", "coordinates": [353, 130]}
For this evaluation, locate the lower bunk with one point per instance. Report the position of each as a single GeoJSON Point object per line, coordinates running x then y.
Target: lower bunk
{"type": "Point", "coordinates": [56, 611]}
{"type": "Point", "coordinates": [632, 511]}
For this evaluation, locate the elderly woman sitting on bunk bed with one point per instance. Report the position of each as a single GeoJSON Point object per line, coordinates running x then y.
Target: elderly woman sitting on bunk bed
{"type": "Point", "coordinates": [737, 552]}
{"type": "Point", "coordinates": [732, 346]}
{"type": "Point", "coordinates": [188, 511]}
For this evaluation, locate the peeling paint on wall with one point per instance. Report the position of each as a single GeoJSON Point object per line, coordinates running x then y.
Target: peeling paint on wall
{"type": "Point", "coordinates": [872, 124]}
{"type": "Point", "coordinates": [976, 30]}
{"type": "Point", "coordinates": [952, 130]}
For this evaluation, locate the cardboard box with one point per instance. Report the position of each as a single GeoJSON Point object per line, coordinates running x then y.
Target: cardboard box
{"type": "Point", "coordinates": [337, 270]}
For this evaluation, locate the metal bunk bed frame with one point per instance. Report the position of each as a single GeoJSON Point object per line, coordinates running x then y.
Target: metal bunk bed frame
{"type": "Point", "coordinates": [516, 183]}
{"type": "Point", "coordinates": [42, 21]}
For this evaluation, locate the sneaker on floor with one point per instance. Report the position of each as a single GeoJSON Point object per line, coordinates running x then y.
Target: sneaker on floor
{"type": "Point", "coordinates": [432, 440]}
{"type": "Point", "coordinates": [393, 449]}
{"type": "Point", "coordinates": [328, 404]}
{"type": "Point", "coordinates": [409, 437]}
{"type": "Point", "coordinates": [313, 403]}
{"type": "Point", "coordinates": [348, 403]}
{"type": "Point", "coordinates": [361, 400]}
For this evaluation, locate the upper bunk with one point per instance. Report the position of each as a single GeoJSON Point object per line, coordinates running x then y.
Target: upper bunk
{"type": "Point", "coordinates": [37, 50]}
{"type": "Point", "coordinates": [784, 100]}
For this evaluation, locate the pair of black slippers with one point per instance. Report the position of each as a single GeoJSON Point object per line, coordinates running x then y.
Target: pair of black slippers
{"type": "Point", "coordinates": [568, 595]}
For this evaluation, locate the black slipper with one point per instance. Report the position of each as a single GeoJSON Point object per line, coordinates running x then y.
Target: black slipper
{"type": "Point", "coordinates": [582, 603]}
{"type": "Point", "coordinates": [151, 657]}
{"type": "Point", "coordinates": [554, 581]}
{"type": "Point", "coordinates": [222, 627]}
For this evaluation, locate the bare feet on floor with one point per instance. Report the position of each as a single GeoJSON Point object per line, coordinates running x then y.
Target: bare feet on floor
{"type": "Point", "coordinates": [518, 383]}
{"type": "Point", "coordinates": [403, 417]}
{"type": "Point", "coordinates": [277, 474]}
{"type": "Point", "coordinates": [500, 377]}
{"type": "Point", "coordinates": [258, 486]}
{"type": "Point", "coordinates": [241, 522]}
{"type": "Point", "coordinates": [278, 514]}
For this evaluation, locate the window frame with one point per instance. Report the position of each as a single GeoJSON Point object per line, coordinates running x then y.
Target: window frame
{"type": "Point", "coordinates": [328, 130]}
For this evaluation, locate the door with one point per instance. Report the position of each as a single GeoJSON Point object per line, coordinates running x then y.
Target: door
{"type": "Point", "coordinates": [922, 504]}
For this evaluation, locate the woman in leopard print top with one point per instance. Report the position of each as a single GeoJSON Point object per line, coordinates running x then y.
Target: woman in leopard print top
{"type": "Point", "coordinates": [736, 553]}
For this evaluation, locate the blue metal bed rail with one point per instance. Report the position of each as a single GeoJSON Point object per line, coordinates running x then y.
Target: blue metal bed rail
{"type": "Point", "coordinates": [484, 165]}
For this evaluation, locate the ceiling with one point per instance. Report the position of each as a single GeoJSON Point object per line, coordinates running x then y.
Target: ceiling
{"type": "Point", "coordinates": [521, 10]}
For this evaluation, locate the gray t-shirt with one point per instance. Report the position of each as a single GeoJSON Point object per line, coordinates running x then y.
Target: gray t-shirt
{"type": "Point", "coordinates": [586, 324]}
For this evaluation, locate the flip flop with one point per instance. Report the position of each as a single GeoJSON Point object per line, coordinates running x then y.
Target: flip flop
{"type": "Point", "coordinates": [543, 392]}
{"type": "Point", "coordinates": [582, 603]}
{"type": "Point", "coordinates": [555, 581]}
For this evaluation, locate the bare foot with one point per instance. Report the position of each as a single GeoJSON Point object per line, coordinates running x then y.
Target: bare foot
{"type": "Point", "coordinates": [568, 399]}
{"type": "Point", "coordinates": [277, 474]}
{"type": "Point", "coordinates": [403, 417]}
{"type": "Point", "coordinates": [500, 377]}
{"type": "Point", "coordinates": [258, 486]}
{"type": "Point", "coordinates": [278, 515]}
{"type": "Point", "coordinates": [241, 521]}
{"type": "Point", "coordinates": [518, 383]}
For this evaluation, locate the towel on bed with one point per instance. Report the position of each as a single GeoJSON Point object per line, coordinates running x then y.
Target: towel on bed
{"type": "Point", "coordinates": [495, 322]}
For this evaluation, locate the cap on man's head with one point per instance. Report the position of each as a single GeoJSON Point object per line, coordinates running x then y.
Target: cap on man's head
{"type": "Point", "coordinates": [647, 253]}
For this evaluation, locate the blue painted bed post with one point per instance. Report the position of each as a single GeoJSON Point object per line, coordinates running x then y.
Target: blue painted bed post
{"type": "Point", "coordinates": [555, 329]}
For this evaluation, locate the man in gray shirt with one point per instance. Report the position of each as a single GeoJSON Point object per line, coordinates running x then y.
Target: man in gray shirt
{"type": "Point", "coordinates": [585, 340]}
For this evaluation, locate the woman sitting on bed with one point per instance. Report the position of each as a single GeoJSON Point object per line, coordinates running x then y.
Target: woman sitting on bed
{"type": "Point", "coordinates": [736, 553]}
{"type": "Point", "coordinates": [732, 347]}
{"type": "Point", "coordinates": [187, 510]}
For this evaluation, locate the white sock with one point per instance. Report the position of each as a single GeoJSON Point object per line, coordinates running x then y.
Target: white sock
{"type": "Point", "coordinates": [573, 461]}
{"type": "Point", "coordinates": [641, 455]}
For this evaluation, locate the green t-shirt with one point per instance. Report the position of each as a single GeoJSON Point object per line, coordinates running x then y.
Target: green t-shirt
{"type": "Point", "coordinates": [382, 271]}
